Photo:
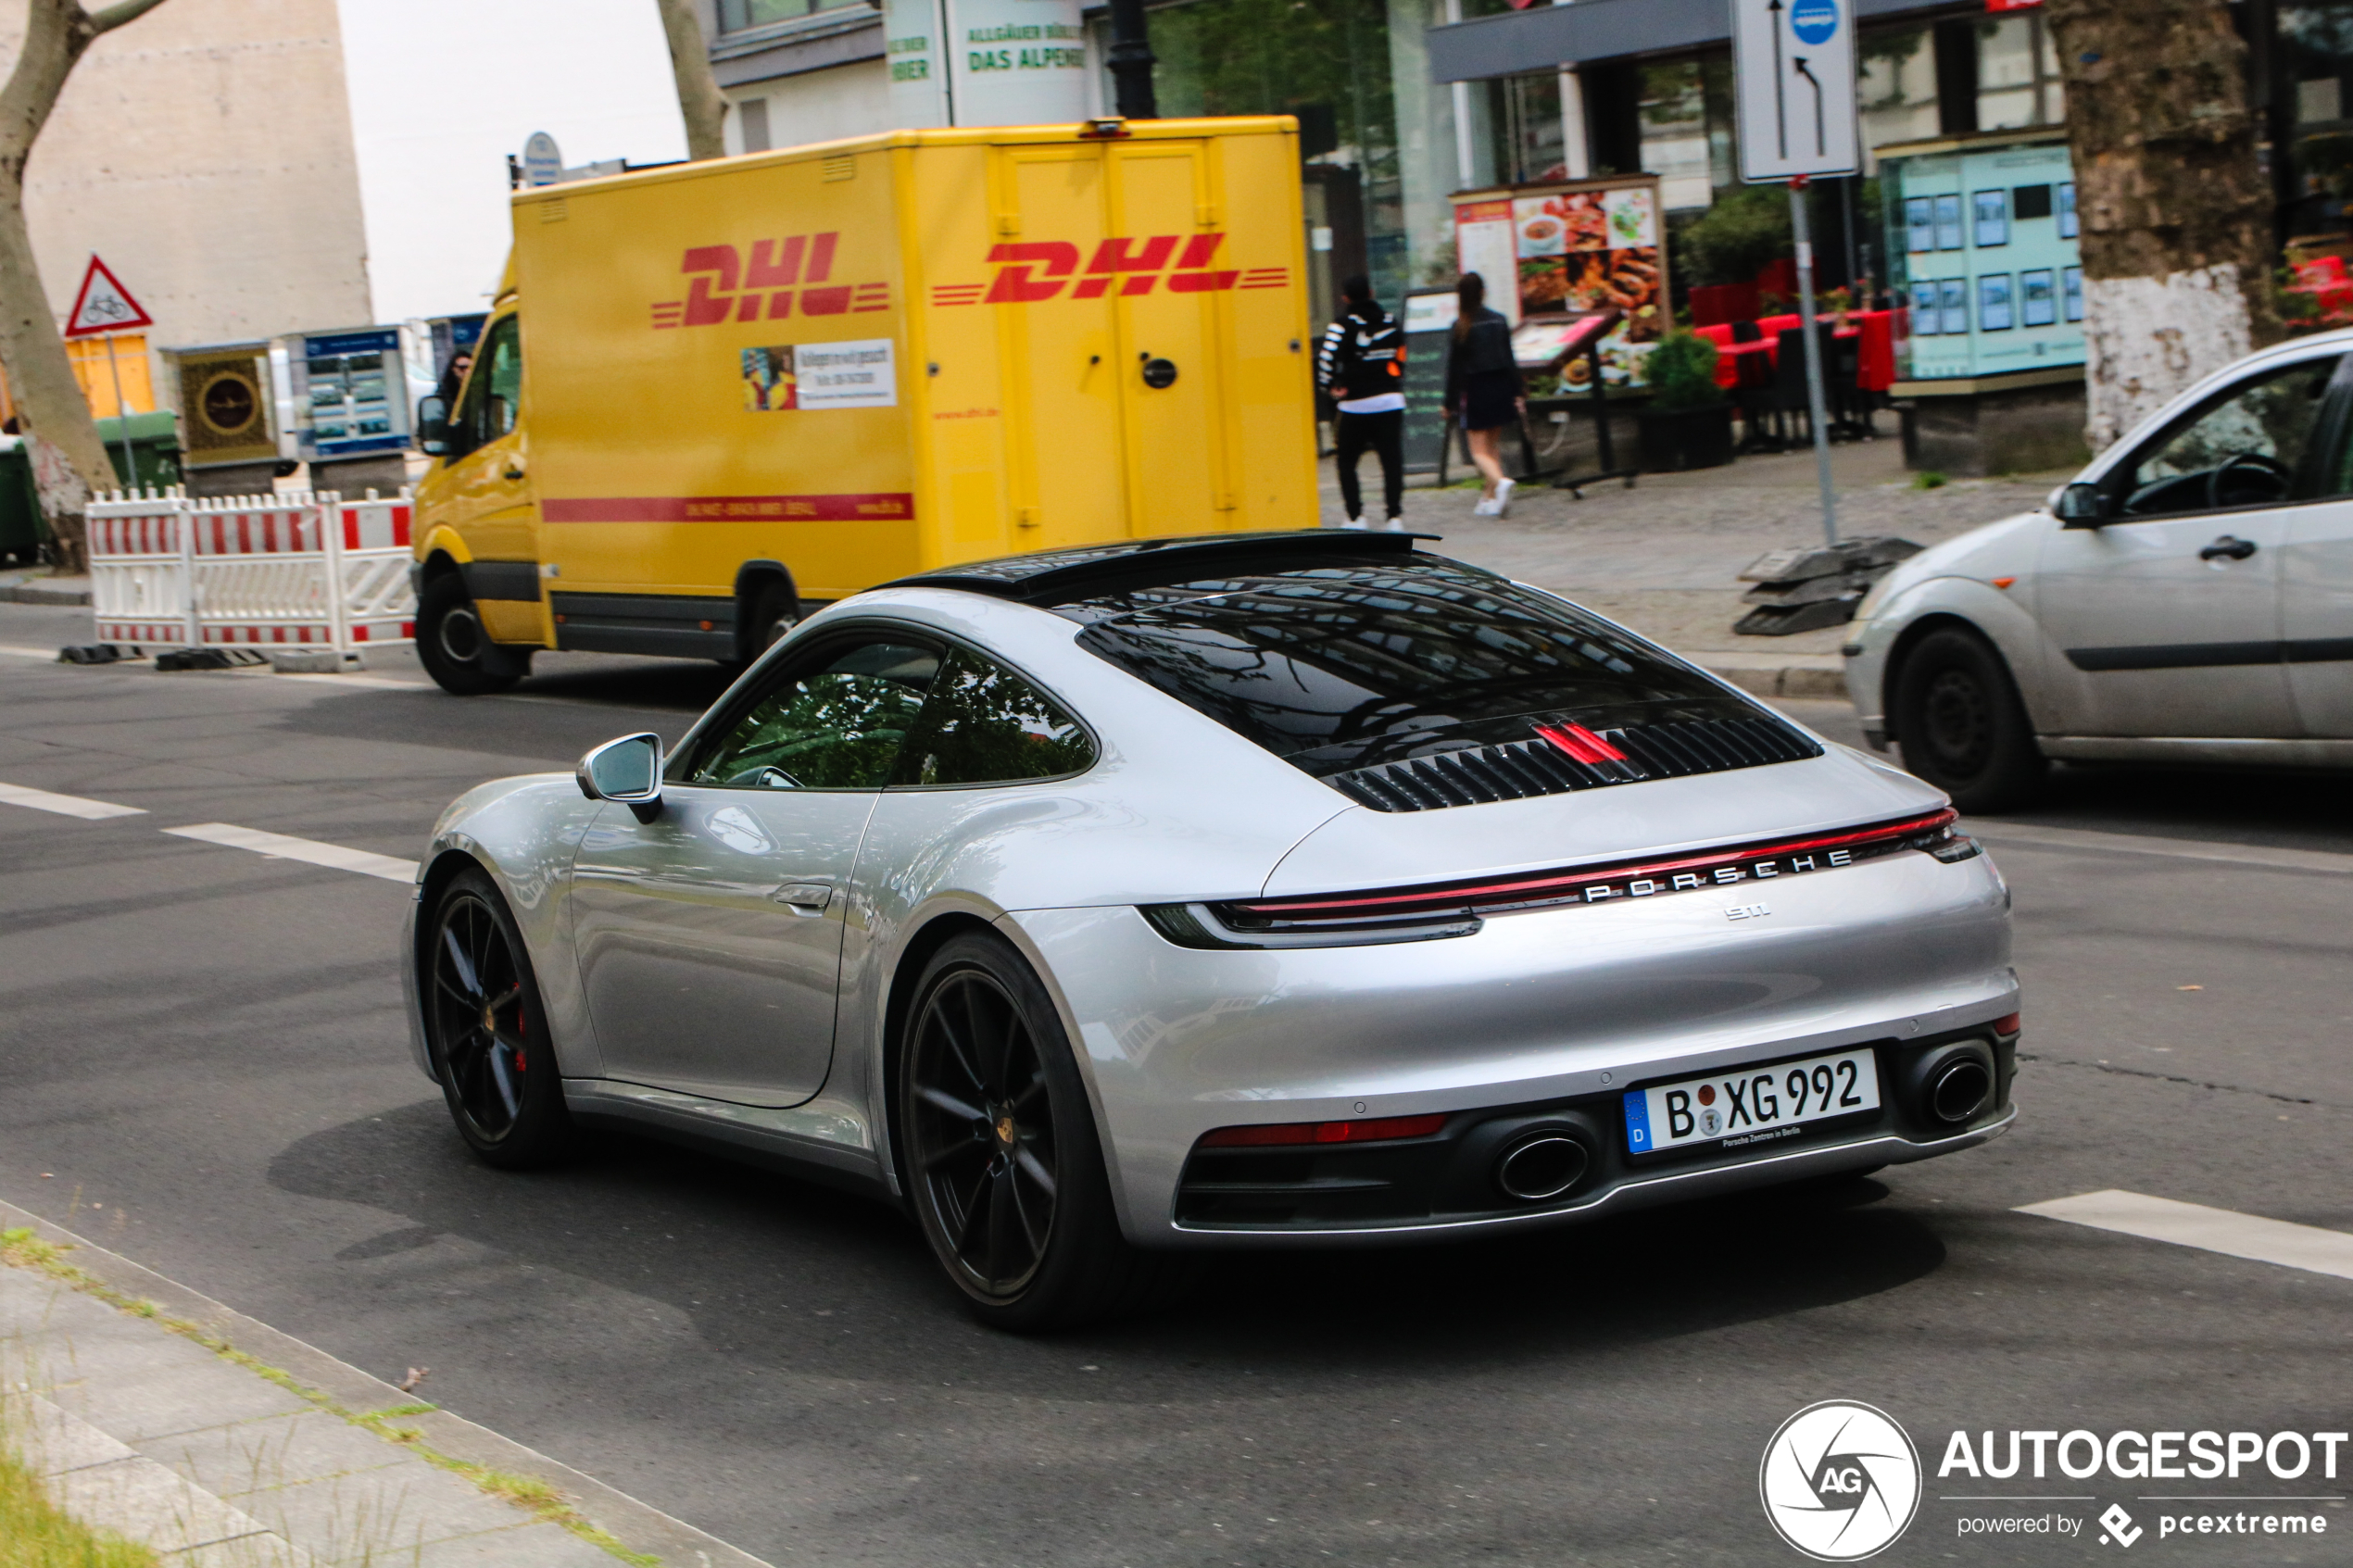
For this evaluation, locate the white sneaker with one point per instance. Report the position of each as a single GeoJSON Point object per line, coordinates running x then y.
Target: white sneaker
{"type": "Point", "coordinates": [1394, 525]}
{"type": "Point", "coordinates": [1485, 509]}
{"type": "Point", "coordinates": [1354, 522]}
{"type": "Point", "coordinates": [1503, 488]}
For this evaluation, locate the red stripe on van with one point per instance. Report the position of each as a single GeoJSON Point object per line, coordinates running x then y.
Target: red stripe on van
{"type": "Point", "coordinates": [728, 509]}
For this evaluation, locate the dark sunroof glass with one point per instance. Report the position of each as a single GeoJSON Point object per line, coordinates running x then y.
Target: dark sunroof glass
{"type": "Point", "coordinates": [1348, 666]}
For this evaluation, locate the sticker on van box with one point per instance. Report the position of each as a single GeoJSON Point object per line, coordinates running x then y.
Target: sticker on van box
{"type": "Point", "coordinates": [820, 375]}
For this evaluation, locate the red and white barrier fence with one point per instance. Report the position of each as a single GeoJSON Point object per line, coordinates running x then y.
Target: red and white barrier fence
{"type": "Point", "coordinates": [297, 571]}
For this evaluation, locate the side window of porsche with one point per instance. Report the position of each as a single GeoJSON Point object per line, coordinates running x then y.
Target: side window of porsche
{"type": "Point", "coordinates": [834, 722]}
{"type": "Point", "coordinates": [984, 724]}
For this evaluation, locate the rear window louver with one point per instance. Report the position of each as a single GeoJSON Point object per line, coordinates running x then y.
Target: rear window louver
{"type": "Point", "coordinates": [1520, 770]}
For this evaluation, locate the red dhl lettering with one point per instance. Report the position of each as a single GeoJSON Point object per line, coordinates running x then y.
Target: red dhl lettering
{"type": "Point", "coordinates": [1032, 270]}
{"type": "Point", "coordinates": [723, 285]}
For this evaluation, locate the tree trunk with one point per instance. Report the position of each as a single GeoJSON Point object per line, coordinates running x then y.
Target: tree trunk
{"type": "Point", "coordinates": [699, 100]}
{"type": "Point", "coordinates": [70, 461]}
{"type": "Point", "coordinates": [2176, 214]}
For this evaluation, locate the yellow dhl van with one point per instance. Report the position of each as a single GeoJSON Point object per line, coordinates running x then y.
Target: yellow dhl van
{"type": "Point", "coordinates": [711, 396]}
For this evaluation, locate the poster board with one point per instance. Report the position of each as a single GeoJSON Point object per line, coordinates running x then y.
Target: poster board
{"type": "Point", "coordinates": [1984, 257]}
{"type": "Point", "coordinates": [1428, 320]}
{"type": "Point", "coordinates": [225, 404]}
{"type": "Point", "coordinates": [1574, 246]}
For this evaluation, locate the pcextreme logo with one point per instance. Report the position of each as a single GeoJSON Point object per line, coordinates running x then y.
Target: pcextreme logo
{"type": "Point", "coordinates": [1040, 269]}
{"type": "Point", "coordinates": [729, 286]}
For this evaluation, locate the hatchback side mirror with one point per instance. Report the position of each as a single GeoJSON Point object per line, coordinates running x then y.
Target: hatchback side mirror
{"type": "Point", "coordinates": [433, 425]}
{"type": "Point", "coordinates": [2083, 504]}
{"type": "Point", "coordinates": [628, 770]}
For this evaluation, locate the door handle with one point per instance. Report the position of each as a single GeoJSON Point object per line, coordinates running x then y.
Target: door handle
{"type": "Point", "coordinates": [2227, 548]}
{"type": "Point", "coordinates": [804, 898]}
{"type": "Point", "coordinates": [515, 470]}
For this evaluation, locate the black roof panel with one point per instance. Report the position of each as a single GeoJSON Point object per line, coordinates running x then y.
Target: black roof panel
{"type": "Point", "coordinates": [1050, 577]}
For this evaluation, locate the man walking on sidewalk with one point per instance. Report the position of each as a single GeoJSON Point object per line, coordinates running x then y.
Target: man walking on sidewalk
{"type": "Point", "coordinates": [1361, 363]}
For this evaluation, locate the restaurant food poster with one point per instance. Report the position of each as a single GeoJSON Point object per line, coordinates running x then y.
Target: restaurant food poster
{"type": "Point", "coordinates": [1593, 246]}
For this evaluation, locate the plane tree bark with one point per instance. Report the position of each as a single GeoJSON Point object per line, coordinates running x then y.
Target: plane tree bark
{"type": "Point", "coordinates": [702, 104]}
{"type": "Point", "coordinates": [69, 462]}
{"type": "Point", "coordinates": [2173, 207]}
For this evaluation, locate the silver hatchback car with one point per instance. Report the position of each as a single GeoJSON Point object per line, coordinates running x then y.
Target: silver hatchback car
{"type": "Point", "coordinates": [1249, 890]}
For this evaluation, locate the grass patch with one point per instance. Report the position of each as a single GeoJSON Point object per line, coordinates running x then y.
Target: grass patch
{"type": "Point", "coordinates": [35, 1534]}
{"type": "Point", "coordinates": [1929, 479]}
{"type": "Point", "coordinates": [24, 1249]}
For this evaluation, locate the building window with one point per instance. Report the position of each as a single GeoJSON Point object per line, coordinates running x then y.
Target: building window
{"type": "Point", "coordinates": [751, 117]}
{"type": "Point", "coordinates": [741, 16]}
{"type": "Point", "coordinates": [2017, 74]}
{"type": "Point", "coordinates": [1524, 113]}
{"type": "Point", "coordinates": [2316, 66]}
{"type": "Point", "coordinates": [1676, 145]}
{"type": "Point", "coordinates": [1895, 90]}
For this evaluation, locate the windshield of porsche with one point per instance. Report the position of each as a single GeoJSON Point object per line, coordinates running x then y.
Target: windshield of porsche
{"type": "Point", "coordinates": [1352, 666]}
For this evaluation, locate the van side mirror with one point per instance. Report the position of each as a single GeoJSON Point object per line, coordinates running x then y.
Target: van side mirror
{"type": "Point", "coordinates": [2083, 504]}
{"type": "Point", "coordinates": [433, 425]}
{"type": "Point", "coordinates": [628, 770]}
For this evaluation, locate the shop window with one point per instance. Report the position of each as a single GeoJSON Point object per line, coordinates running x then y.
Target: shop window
{"type": "Point", "coordinates": [1524, 116]}
{"type": "Point", "coordinates": [1675, 134]}
{"type": "Point", "coordinates": [2017, 73]}
{"type": "Point", "coordinates": [2316, 72]}
{"type": "Point", "coordinates": [742, 16]}
{"type": "Point", "coordinates": [1895, 89]}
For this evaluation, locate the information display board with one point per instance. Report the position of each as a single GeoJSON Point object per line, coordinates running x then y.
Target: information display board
{"type": "Point", "coordinates": [1573, 247]}
{"type": "Point", "coordinates": [349, 393]}
{"type": "Point", "coordinates": [1984, 257]}
{"type": "Point", "coordinates": [1430, 326]}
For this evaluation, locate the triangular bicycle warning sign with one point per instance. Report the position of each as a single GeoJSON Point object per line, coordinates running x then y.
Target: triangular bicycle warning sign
{"type": "Point", "coordinates": [103, 305]}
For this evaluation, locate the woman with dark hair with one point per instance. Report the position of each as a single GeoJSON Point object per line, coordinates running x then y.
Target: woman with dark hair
{"type": "Point", "coordinates": [1483, 389]}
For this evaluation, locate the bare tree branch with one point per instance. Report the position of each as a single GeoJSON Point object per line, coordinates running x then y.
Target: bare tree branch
{"type": "Point", "coordinates": [107, 18]}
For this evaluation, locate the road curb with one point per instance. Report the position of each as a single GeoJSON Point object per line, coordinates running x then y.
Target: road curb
{"type": "Point", "coordinates": [639, 1525]}
{"type": "Point", "coordinates": [15, 593]}
{"type": "Point", "coordinates": [1815, 676]}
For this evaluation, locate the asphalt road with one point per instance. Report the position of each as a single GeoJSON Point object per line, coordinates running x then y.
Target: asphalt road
{"type": "Point", "coordinates": [203, 1063]}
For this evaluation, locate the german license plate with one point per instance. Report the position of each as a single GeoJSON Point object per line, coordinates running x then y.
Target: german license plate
{"type": "Point", "coordinates": [1750, 1105]}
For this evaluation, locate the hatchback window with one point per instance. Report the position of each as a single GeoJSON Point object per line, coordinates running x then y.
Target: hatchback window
{"type": "Point", "coordinates": [836, 722]}
{"type": "Point", "coordinates": [1354, 666]}
{"type": "Point", "coordinates": [984, 724]}
{"type": "Point", "coordinates": [2247, 447]}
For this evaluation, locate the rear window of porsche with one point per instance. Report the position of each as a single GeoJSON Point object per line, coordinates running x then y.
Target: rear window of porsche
{"type": "Point", "coordinates": [1356, 667]}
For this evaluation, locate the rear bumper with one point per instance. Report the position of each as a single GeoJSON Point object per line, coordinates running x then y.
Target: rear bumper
{"type": "Point", "coordinates": [1545, 1012]}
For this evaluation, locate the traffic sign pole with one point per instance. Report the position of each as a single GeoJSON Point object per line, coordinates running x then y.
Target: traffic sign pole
{"type": "Point", "coordinates": [1817, 405]}
{"type": "Point", "coordinates": [121, 419]}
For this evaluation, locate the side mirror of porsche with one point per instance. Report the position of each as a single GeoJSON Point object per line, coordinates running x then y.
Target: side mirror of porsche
{"type": "Point", "coordinates": [628, 770]}
{"type": "Point", "coordinates": [2082, 505]}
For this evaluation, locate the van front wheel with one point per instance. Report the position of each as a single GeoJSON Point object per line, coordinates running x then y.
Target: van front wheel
{"type": "Point", "coordinates": [454, 647]}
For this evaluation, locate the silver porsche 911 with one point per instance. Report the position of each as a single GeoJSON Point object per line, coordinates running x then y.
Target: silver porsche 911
{"type": "Point", "coordinates": [1278, 889]}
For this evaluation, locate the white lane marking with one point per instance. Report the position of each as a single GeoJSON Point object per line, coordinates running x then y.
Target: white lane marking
{"type": "Point", "coordinates": [310, 851]}
{"type": "Point", "coordinates": [66, 805]}
{"type": "Point", "coordinates": [16, 652]}
{"type": "Point", "coordinates": [2032, 837]}
{"type": "Point", "coordinates": [383, 683]}
{"type": "Point", "coordinates": [2211, 1230]}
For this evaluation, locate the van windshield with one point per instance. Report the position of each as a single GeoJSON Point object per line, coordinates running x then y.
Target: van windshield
{"type": "Point", "coordinates": [1352, 666]}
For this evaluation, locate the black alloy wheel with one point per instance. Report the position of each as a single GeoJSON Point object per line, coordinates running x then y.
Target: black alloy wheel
{"type": "Point", "coordinates": [486, 1030]}
{"type": "Point", "coordinates": [455, 647]}
{"type": "Point", "coordinates": [998, 1149]}
{"type": "Point", "coordinates": [1962, 727]}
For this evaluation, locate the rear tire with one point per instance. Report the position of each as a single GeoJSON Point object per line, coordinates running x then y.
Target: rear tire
{"type": "Point", "coordinates": [999, 1152]}
{"type": "Point", "coordinates": [775, 611]}
{"type": "Point", "coordinates": [486, 1030]}
{"type": "Point", "coordinates": [1962, 727]}
{"type": "Point", "coordinates": [454, 646]}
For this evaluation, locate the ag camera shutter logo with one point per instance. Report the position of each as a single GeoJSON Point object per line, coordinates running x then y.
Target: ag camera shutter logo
{"type": "Point", "coordinates": [1841, 1481]}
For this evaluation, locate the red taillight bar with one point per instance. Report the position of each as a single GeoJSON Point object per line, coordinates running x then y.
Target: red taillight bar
{"type": "Point", "coordinates": [1566, 882]}
{"type": "Point", "coordinates": [2007, 1025]}
{"type": "Point", "coordinates": [1279, 1132]}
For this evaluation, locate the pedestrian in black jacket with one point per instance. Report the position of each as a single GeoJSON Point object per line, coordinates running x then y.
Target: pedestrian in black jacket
{"type": "Point", "coordinates": [1361, 363]}
{"type": "Point", "coordinates": [1483, 389]}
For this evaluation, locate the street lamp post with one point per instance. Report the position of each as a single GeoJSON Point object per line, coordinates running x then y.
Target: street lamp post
{"type": "Point", "coordinates": [1131, 61]}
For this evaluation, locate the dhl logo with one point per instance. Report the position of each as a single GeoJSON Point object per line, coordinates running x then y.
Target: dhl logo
{"type": "Point", "coordinates": [727, 287]}
{"type": "Point", "coordinates": [1039, 269]}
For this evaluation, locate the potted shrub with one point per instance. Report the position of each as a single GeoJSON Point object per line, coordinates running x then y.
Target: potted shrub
{"type": "Point", "coordinates": [1689, 423]}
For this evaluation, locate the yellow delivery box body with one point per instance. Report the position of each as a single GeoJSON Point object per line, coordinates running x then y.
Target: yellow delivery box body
{"type": "Point", "coordinates": [713, 395]}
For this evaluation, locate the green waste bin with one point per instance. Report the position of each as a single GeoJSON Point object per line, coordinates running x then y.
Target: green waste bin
{"type": "Point", "coordinates": [155, 448]}
{"type": "Point", "coordinates": [21, 531]}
